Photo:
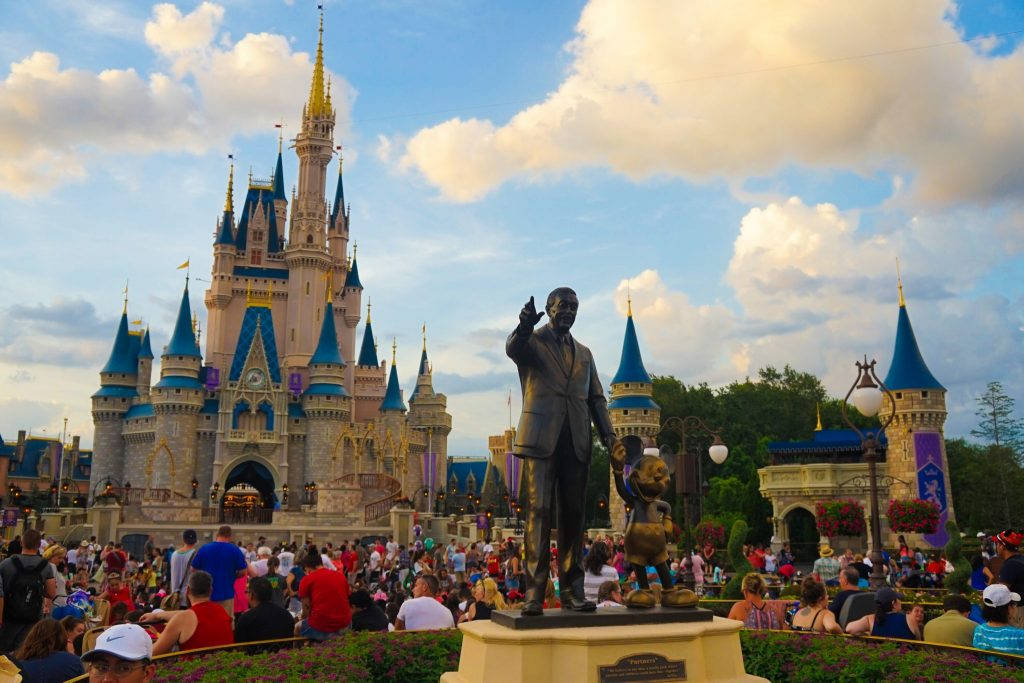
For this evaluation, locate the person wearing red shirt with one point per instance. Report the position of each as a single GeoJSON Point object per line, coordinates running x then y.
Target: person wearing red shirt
{"type": "Point", "coordinates": [117, 592]}
{"type": "Point", "coordinates": [324, 594]}
{"type": "Point", "coordinates": [756, 559]}
{"type": "Point", "coordinates": [203, 624]}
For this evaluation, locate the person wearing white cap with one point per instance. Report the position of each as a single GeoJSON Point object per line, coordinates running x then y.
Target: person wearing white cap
{"type": "Point", "coordinates": [123, 653]}
{"type": "Point", "coordinates": [996, 634]}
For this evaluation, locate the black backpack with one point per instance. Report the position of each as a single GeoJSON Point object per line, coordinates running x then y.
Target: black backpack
{"type": "Point", "coordinates": [23, 598]}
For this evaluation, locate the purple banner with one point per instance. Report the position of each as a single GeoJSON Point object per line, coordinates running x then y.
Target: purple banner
{"type": "Point", "coordinates": [481, 521]}
{"type": "Point", "coordinates": [212, 378]}
{"type": "Point", "coordinates": [430, 471]}
{"type": "Point", "coordinates": [931, 481]}
{"type": "Point", "coordinates": [295, 383]}
{"type": "Point", "coordinates": [10, 517]}
{"type": "Point", "coordinates": [517, 464]}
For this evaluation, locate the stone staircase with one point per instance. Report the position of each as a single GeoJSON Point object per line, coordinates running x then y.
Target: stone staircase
{"type": "Point", "coordinates": [380, 492]}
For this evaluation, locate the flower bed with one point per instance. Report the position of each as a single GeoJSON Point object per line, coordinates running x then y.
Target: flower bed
{"type": "Point", "coordinates": [398, 657]}
{"type": "Point", "coordinates": [424, 656]}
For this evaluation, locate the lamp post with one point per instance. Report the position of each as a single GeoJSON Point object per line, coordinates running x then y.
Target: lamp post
{"type": "Point", "coordinates": [866, 393]}
{"type": "Point", "coordinates": [195, 486]}
{"type": "Point", "coordinates": [718, 452]}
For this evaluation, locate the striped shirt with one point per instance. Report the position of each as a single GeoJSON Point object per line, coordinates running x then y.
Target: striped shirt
{"type": "Point", "coordinates": [1009, 639]}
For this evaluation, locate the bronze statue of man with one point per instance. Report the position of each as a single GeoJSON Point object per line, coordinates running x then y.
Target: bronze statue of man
{"type": "Point", "coordinates": [561, 395]}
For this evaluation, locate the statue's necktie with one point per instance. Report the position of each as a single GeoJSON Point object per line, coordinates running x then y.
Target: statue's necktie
{"type": "Point", "coordinates": [567, 352]}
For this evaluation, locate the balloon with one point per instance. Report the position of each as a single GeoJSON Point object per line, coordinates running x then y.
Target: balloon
{"type": "Point", "coordinates": [429, 543]}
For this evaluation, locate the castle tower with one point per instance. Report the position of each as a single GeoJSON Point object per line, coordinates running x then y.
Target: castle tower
{"type": "Point", "coordinates": [428, 413]}
{"type": "Point", "coordinates": [348, 315]}
{"type": "Point", "coordinates": [326, 403]}
{"type": "Point", "coordinates": [118, 391]}
{"type": "Point", "coordinates": [916, 451]}
{"type": "Point", "coordinates": [307, 255]}
{"type": "Point", "coordinates": [368, 385]}
{"type": "Point", "coordinates": [392, 423]}
{"type": "Point", "coordinates": [632, 410]}
{"type": "Point", "coordinates": [219, 295]}
{"type": "Point", "coordinates": [280, 198]}
{"type": "Point", "coordinates": [177, 399]}
{"type": "Point", "coordinates": [145, 368]}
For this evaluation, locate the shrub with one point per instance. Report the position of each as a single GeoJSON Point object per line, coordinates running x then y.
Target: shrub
{"type": "Point", "coordinates": [740, 565]}
{"type": "Point", "coordinates": [913, 516]}
{"type": "Point", "coordinates": [840, 518]}
{"type": "Point", "coordinates": [710, 531]}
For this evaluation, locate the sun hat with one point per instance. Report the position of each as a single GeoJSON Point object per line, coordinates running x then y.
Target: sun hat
{"type": "Point", "coordinates": [997, 595]}
{"type": "Point", "coordinates": [129, 642]}
{"type": "Point", "coordinates": [825, 550]}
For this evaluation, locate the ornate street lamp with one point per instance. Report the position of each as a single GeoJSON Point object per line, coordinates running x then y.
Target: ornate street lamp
{"type": "Point", "coordinates": [866, 395]}
{"type": "Point", "coordinates": [195, 486]}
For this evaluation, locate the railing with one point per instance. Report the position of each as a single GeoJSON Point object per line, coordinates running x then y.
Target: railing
{"type": "Point", "coordinates": [138, 496]}
{"type": "Point", "coordinates": [246, 516]}
{"type": "Point", "coordinates": [251, 436]}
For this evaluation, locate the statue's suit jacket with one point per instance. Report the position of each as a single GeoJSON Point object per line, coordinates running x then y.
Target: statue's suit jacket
{"type": "Point", "coordinates": [554, 393]}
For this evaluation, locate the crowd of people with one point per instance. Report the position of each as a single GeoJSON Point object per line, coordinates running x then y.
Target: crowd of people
{"type": "Point", "coordinates": [226, 591]}
{"type": "Point", "coordinates": [997, 624]}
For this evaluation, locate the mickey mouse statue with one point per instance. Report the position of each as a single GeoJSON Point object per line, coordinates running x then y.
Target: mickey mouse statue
{"type": "Point", "coordinates": [649, 526]}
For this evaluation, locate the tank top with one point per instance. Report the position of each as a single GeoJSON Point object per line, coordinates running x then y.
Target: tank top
{"type": "Point", "coordinates": [213, 627]}
{"type": "Point", "coordinates": [763, 617]}
{"type": "Point", "coordinates": [482, 611]}
{"type": "Point", "coordinates": [808, 629]}
{"type": "Point", "coordinates": [895, 626]}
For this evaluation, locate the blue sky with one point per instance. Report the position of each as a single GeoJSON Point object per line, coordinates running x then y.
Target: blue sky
{"type": "Point", "coordinates": [752, 174]}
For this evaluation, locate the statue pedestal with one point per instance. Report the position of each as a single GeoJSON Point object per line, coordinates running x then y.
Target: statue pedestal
{"type": "Point", "coordinates": [694, 647]}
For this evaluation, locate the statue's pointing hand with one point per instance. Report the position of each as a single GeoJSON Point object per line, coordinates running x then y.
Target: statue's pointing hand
{"type": "Point", "coordinates": [528, 317]}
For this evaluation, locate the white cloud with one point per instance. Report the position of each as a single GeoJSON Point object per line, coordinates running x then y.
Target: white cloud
{"type": "Point", "coordinates": [695, 89]}
{"type": "Point", "coordinates": [215, 90]}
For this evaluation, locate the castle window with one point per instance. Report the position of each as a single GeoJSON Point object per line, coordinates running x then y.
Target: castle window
{"type": "Point", "coordinates": [924, 394]}
{"type": "Point", "coordinates": [309, 239]}
{"type": "Point", "coordinates": [307, 288]}
{"type": "Point", "coordinates": [293, 334]}
{"type": "Point", "coordinates": [645, 412]}
{"type": "Point", "coordinates": [177, 391]}
{"type": "Point", "coordinates": [625, 412]}
{"type": "Point", "coordinates": [899, 395]}
{"type": "Point", "coordinates": [256, 257]}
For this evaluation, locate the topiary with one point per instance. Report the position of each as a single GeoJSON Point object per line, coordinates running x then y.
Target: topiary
{"type": "Point", "coordinates": [740, 565]}
{"type": "Point", "coordinates": [960, 579]}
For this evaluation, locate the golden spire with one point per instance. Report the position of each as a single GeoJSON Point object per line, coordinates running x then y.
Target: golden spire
{"type": "Point", "coordinates": [899, 282]}
{"type": "Point", "coordinates": [341, 158]}
{"type": "Point", "coordinates": [195, 321]}
{"type": "Point", "coordinates": [394, 350]}
{"type": "Point", "coordinates": [229, 206]}
{"type": "Point", "coordinates": [629, 302]}
{"type": "Point", "coordinates": [818, 427]}
{"type": "Point", "coordinates": [369, 305]}
{"type": "Point", "coordinates": [317, 106]}
{"type": "Point", "coordinates": [125, 308]}
{"type": "Point", "coordinates": [280, 136]}
{"type": "Point", "coordinates": [330, 285]}
{"type": "Point", "coordinates": [328, 102]}
{"type": "Point", "coordinates": [424, 336]}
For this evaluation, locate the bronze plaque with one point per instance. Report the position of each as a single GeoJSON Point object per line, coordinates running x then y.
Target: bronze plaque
{"type": "Point", "coordinates": [643, 667]}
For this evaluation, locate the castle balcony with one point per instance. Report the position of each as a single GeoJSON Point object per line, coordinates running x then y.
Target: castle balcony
{"type": "Point", "coordinates": [246, 436]}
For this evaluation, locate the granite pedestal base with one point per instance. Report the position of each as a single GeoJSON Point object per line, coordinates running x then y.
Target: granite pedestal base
{"type": "Point", "coordinates": [692, 650]}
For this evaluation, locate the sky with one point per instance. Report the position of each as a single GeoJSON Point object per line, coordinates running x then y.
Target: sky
{"type": "Point", "coordinates": [749, 172]}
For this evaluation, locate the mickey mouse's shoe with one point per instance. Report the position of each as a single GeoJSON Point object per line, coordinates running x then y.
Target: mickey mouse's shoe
{"type": "Point", "coordinates": [678, 597]}
{"type": "Point", "coordinates": [641, 597]}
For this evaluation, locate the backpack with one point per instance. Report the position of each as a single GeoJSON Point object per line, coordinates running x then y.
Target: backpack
{"type": "Point", "coordinates": [23, 598]}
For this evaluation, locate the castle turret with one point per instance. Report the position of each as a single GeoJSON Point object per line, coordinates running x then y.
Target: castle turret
{"type": "Point", "coordinates": [145, 368]}
{"type": "Point", "coordinates": [118, 391]}
{"type": "Point", "coordinates": [348, 316]}
{"type": "Point", "coordinates": [280, 198]}
{"type": "Point", "coordinates": [326, 403]}
{"type": "Point", "coordinates": [177, 399]}
{"type": "Point", "coordinates": [916, 451]}
{"type": "Point", "coordinates": [632, 410]}
{"type": "Point", "coordinates": [218, 296]}
{"type": "Point", "coordinates": [428, 414]}
{"type": "Point", "coordinates": [393, 402]}
{"type": "Point", "coordinates": [368, 384]}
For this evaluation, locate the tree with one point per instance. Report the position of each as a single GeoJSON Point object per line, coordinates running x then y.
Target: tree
{"type": "Point", "coordinates": [987, 484]}
{"type": "Point", "coordinates": [997, 424]}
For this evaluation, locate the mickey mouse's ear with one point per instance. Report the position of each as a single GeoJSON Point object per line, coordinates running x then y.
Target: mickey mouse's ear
{"type": "Point", "coordinates": [634, 448]}
{"type": "Point", "coordinates": [668, 457]}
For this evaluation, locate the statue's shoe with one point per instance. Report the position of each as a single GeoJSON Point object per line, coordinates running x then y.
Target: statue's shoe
{"type": "Point", "coordinates": [678, 597]}
{"type": "Point", "coordinates": [532, 608]}
{"type": "Point", "coordinates": [641, 597]}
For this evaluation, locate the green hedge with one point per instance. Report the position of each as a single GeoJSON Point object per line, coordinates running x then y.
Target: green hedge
{"type": "Point", "coordinates": [424, 656]}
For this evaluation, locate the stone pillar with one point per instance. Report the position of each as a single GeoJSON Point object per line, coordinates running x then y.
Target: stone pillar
{"type": "Point", "coordinates": [401, 524]}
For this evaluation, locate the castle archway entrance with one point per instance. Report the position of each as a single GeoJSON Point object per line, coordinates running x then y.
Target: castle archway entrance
{"type": "Point", "coordinates": [802, 529]}
{"type": "Point", "coordinates": [249, 496]}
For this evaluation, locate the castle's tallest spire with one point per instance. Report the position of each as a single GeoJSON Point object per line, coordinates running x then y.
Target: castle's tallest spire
{"type": "Point", "coordinates": [317, 104]}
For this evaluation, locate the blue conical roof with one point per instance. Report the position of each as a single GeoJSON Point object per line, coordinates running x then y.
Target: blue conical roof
{"type": "Point", "coordinates": [352, 279]}
{"type": "Point", "coordinates": [908, 369]}
{"type": "Point", "coordinates": [146, 351]}
{"type": "Point", "coordinates": [424, 365]}
{"type": "Point", "coordinates": [122, 358]}
{"type": "Point", "coordinates": [631, 365]}
{"type": "Point", "coordinates": [393, 396]}
{"type": "Point", "coordinates": [227, 223]}
{"type": "Point", "coordinates": [279, 179]}
{"type": "Point", "coordinates": [327, 347]}
{"type": "Point", "coordinates": [368, 351]}
{"type": "Point", "coordinates": [339, 199]}
{"type": "Point", "coordinates": [183, 340]}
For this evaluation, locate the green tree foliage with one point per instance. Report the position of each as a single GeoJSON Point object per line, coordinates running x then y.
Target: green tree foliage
{"type": "Point", "coordinates": [740, 565]}
{"type": "Point", "coordinates": [987, 484]}
{"type": "Point", "coordinates": [597, 485]}
{"type": "Point", "coordinates": [960, 579]}
{"type": "Point", "coordinates": [997, 424]}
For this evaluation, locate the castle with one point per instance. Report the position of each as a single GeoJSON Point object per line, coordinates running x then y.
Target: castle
{"type": "Point", "coordinates": [282, 419]}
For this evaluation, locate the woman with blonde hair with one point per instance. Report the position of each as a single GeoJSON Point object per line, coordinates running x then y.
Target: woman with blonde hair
{"type": "Point", "coordinates": [486, 598]}
{"type": "Point", "coordinates": [753, 610]}
{"type": "Point", "coordinates": [55, 555]}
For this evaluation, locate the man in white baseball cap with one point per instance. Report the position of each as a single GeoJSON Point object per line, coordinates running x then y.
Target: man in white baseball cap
{"type": "Point", "coordinates": [123, 653]}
